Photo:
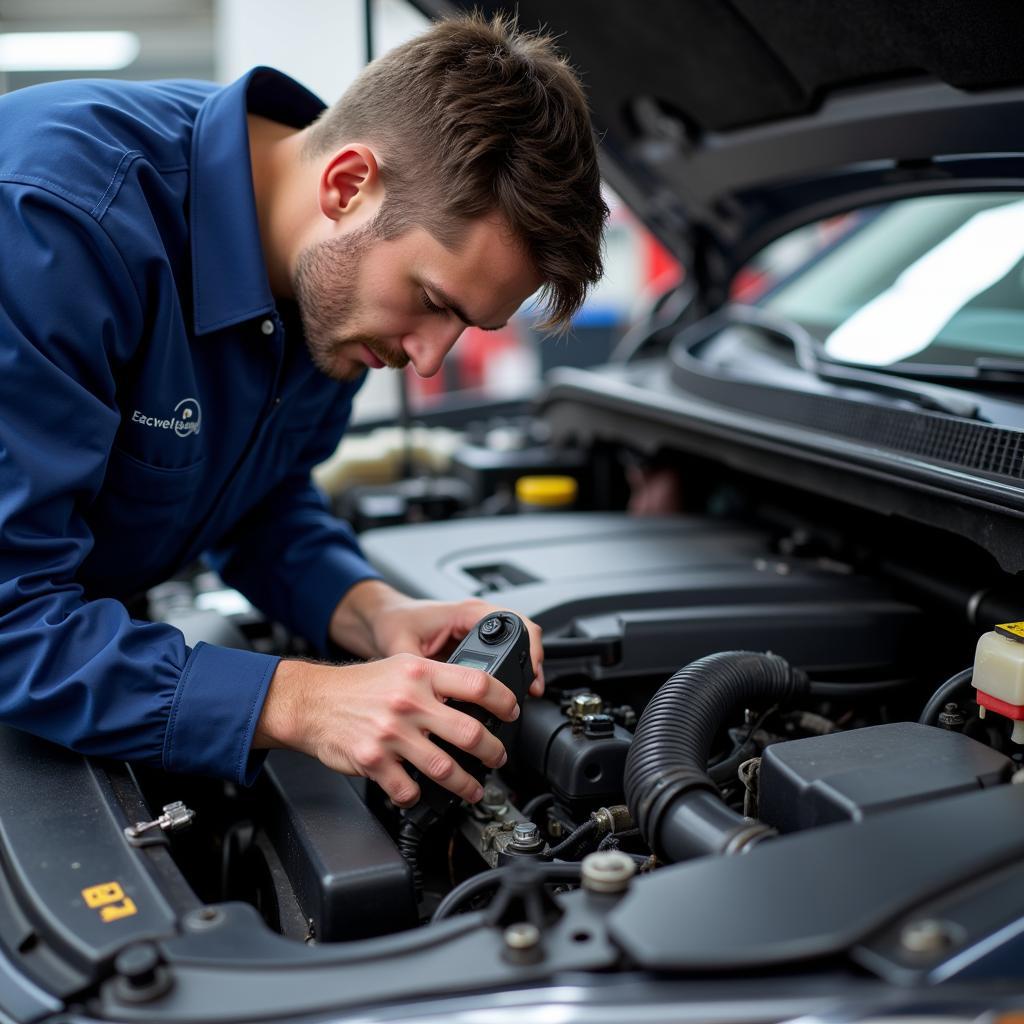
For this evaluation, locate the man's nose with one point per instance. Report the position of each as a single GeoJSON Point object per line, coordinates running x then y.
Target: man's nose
{"type": "Point", "coordinates": [427, 348]}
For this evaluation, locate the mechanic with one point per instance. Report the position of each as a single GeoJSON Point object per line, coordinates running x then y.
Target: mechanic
{"type": "Point", "coordinates": [194, 282]}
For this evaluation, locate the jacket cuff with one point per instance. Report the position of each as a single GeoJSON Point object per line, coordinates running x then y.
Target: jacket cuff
{"type": "Point", "coordinates": [216, 705]}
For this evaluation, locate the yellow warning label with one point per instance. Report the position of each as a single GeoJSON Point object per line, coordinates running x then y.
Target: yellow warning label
{"type": "Point", "coordinates": [1014, 630]}
{"type": "Point", "coordinates": [109, 899]}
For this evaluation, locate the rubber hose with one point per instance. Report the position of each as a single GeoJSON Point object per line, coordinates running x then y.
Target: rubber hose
{"type": "Point", "coordinates": [672, 798]}
{"type": "Point", "coordinates": [480, 883]}
{"type": "Point", "coordinates": [568, 845]}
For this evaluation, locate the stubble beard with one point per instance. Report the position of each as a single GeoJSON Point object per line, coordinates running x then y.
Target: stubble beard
{"type": "Point", "coordinates": [326, 290]}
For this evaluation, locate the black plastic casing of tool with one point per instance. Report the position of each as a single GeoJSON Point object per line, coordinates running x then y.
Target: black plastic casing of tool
{"type": "Point", "coordinates": [500, 646]}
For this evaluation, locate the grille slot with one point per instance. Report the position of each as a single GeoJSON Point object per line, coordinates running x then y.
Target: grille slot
{"type": "Point", "coordinates": [947, 439]}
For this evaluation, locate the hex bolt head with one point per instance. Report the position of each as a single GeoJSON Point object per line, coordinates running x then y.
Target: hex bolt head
{"type": "Point", "coordinates": [494, 800]}
{"type": "Point", "coordinates": [525, 834]}
{"type": "Point", "coordinates": [951, 717]}
{"type": "Point", "coordinates": [521, 938]}
{"type": "Point", "coordinates": [597, 727]}
{"type": "Point", "coordinates": [927, 936]}
{"type": "Point", "coordinates": [585, 704]}
{"type": "Point", "coordinates": [610, 871]}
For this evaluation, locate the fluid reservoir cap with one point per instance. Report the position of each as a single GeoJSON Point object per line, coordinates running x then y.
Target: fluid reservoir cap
{"type": "Point", "coordinates": [1013, 630]}
{"type": "Point", "coordinates": [546, 491]}
{"type": "Point", "coordinates": [609, 871]}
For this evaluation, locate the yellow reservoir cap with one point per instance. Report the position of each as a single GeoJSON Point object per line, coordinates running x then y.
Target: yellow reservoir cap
{"type": "Point", "coordinates": [1014, 630]}
{"type": "Point", "coordinates": [548, 491]}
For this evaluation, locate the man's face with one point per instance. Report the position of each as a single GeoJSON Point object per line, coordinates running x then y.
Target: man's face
{"type": "Point", "coordinates": [366, 302]}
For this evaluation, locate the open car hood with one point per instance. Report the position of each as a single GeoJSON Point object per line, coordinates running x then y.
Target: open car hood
{"type": "Point", "coordinates": [727, 123]}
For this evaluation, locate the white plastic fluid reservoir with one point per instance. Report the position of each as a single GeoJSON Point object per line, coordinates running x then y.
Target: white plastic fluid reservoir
{"type": "Point", "coordinates": [999, 675]}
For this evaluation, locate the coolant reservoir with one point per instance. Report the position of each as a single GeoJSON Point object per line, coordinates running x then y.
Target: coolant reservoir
{"type": "Point", "coordinates": [999, 675]}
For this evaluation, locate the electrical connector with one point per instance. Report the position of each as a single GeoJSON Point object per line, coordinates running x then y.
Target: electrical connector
{"type": "Point", "coordinates": [999, 675]}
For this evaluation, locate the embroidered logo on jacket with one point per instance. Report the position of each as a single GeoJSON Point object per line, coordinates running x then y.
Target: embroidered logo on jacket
{"type": "Point", "coordinates": [185, 421]}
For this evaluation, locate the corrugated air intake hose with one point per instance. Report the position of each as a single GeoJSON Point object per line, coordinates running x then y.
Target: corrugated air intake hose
{"type": "Point", "coordinates": [669, 792]}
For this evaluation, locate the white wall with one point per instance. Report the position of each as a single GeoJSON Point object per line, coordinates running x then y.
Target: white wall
{"type": "Point", "coordinates": [321, 43]}
{"type": "Point", "coordinates": [318, 42]}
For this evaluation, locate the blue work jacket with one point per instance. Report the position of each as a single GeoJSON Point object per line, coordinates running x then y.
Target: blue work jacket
{"type": "Point", "coordinates": [155, 403]}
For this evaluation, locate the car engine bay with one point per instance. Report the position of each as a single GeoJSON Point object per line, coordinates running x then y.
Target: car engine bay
{"type": "Point", "coordinates": [776, 771]}
{"type": "Point", "coordinates": [759, 750]}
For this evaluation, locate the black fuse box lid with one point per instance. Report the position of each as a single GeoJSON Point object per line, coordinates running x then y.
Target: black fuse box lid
{"type": "Point", "coordinates": [848, 776]}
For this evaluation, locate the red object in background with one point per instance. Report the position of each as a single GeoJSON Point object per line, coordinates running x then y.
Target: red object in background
{"type": "Point", "coordinates": [661, 269]}
{"type": "Point", "coordinates": [466, 366]}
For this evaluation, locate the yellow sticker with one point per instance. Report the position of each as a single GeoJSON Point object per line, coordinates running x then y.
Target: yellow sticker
{"type": "Point", "coordinates": [109, 899]}
{"type": "Point", "coordinates": [1014, 630]}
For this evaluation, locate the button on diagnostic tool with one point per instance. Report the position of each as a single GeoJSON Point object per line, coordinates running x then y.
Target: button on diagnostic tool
{"type": "Point", "coordinates": [494, 629]}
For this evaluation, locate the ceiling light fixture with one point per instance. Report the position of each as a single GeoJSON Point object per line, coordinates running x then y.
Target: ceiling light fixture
{"type": "Point", "coordinates": [67, 51]}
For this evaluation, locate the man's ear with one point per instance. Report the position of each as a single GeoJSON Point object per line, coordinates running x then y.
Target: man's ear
{"type": "Point", "coordinates": [349, 180]}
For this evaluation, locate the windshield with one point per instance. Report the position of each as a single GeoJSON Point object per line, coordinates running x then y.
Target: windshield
{"type": "Point", "coordinates": [938, 279]}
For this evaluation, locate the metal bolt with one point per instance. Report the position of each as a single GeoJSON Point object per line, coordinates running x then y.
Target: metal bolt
{"type": "Point", "coordinates": [598, 726]}
{"type": "Point", "coordinates": [586, 704]}
{"type": "Point", "coordinates": [522, 937]}
{"type": "Point", "coordinates": [950, 717]}
{"type": "Point", "coordinates": [580, 706]}
{"type": "Point", "coordinates": [493, 799]}
{"type": "Point", "coordinates": [927, 936]}
{"type": "Point", "coordinates": [609, 872]}
{"type": "Point", "coordinates": [526, 835]}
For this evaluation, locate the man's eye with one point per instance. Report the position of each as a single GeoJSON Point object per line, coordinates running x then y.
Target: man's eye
{"type": "Point", "coordinates": [431, 307]}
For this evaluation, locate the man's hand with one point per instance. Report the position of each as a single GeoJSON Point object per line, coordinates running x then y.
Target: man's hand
{"type": "Point", "coordinates": [374, 620]}
{"type": "Point", "coordinates": [368, 719]}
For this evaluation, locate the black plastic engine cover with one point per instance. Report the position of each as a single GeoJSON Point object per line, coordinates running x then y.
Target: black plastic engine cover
{"type": "Point", "coordinates": [820, 892]}
{"type": "Point", "coordinates": [847, 776]}
{"type": "Point", "coordinates": [348, 875]}
{"type": "Point", "coordinates": [664, 590]}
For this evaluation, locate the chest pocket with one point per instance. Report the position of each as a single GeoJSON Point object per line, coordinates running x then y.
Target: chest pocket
{"type": "Point", "coordinates": [141, 520]}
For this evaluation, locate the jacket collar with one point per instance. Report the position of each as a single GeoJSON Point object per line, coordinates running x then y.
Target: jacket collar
{"type": "Point", "coordinates": [229, 276]}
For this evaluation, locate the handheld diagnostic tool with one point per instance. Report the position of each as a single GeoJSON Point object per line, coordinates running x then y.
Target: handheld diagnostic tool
{"type": "Point", "coordinates": [500, 646]}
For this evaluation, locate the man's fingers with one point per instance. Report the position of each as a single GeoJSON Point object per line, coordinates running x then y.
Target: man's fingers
{"type": "Point", "coordinates": [537, 657]}
{"type": "Point", "coordinates": [475, 687]}
{"type": "Point", "coordinates": [537, 686]}
{"type": "Point", "coordinates": [395, 781]}
{"type": "Point", "coordinates": [439, 765]}
{"type": "Point", "coordinates": [466, 733]}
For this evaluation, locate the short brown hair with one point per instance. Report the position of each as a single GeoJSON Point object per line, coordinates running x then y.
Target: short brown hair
{"type": "Point", "coordinates": [497, 120]}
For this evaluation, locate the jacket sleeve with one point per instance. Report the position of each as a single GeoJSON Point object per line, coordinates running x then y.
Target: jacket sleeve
{"type": "Point", "coordinates": [291, 557]}
{"type": "Point", "coordinates": [81, 672]}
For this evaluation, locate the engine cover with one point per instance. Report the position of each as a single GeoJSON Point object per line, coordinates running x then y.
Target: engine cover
{"type": "Point", "coordinates": [847, 776]}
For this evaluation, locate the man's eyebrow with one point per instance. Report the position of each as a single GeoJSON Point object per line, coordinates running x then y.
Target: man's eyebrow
{"type": "Point", "coordinates": [447, 300]}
